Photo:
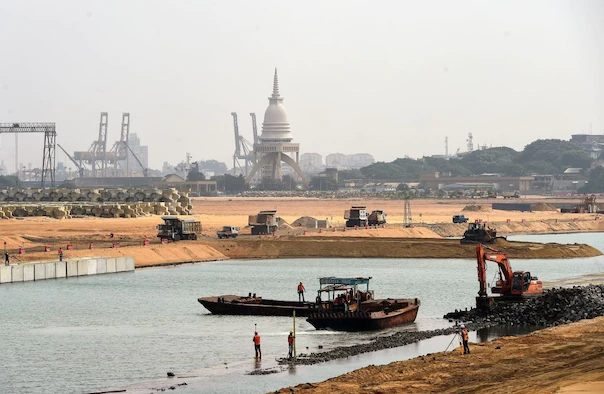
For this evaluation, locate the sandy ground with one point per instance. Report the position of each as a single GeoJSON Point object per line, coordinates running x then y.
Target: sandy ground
{"type": "Point", "coordinates": [565, 359]}
{"type": "Point", "coordinates": [34, 233]}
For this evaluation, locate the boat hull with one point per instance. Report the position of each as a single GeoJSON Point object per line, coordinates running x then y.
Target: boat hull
{"type": "Point", "coordinates": [237, 305]}
{"type": "Point", "coordinates": [363, 320]}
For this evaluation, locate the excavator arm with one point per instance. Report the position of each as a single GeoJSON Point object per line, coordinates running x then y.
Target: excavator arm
{"type": "Point", "coordinates": [484, 253]}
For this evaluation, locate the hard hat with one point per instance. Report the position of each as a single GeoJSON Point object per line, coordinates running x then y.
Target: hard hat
{"type": "Point", "coordinates": [300, 282]}
{"type": "Point", "coordinates": [291, 332]}
{"type": "Point", "coordinates": [462, 326]}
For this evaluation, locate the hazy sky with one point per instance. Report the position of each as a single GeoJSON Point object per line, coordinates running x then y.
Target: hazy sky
{"type": "Point", "coordinates": [390, 78]}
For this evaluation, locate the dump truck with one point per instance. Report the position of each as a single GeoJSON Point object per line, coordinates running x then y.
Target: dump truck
{"type": "Point", "coordinates": [356, 217]}
{"type": "Point", "coordinates": [176, 229]}
{"type": "Point", "coordinates": [227, 232]}
{"type": "Point", "coordinates": [265, 222]}
{"type": "Point", "coordinates": [376, 218]}
{"type": "Point", "coordinates": [514, 194]}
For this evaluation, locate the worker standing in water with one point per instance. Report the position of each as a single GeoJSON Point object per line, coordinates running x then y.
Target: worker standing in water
{"type": "Point", "coordinates": [465, 338]}
{"type": "Point", "coordinates": [290, 342]}
{"type": "Point", "coordinates": [301, 291]}
{"type": "Point", "coordinates": [257, 345]}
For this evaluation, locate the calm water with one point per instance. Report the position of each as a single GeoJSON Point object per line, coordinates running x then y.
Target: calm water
{"type": "Point", "coordinates": [93, 333]}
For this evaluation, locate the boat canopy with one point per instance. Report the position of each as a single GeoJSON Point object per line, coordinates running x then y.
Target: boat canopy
{"type": "Point", "coordinates": [332, 280]}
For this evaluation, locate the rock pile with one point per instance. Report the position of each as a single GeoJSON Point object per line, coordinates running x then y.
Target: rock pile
{"type": "Point", "coordinates": [554, 307]}
{"type": "Point", "coordinates": [477, 208]}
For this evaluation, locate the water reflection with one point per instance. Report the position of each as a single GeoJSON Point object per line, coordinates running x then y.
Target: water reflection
{"type": "Point", "coordinates": [490, 333]}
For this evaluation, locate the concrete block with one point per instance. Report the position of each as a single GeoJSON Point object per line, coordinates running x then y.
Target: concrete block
{"type": "Point", "coordinates": [28, 272]}
{"type": "Point", "coordinates": [72, 268]}
{"type": "Point", "coordinates": [101, 266]}
{"type": "Point", "coordinates": [51, 270]}
{"type": "Point", "coordinates": [6, 274]}
{"type": "Point", "coordinates": [129, 263]}
{"type": "Point", "coordinates": [91, 267]}
{"type": "Point", "coordinates": [111, 265]}
{"type": "Point", "coordinates": [83, 267]}
{"type": "Point", "coordinates": [60, 269]}
{"type": "Point", "coordinates": [17, 272]}
{"type": "Point", "coordinates": [120, 264]}
{"type": "Point", "coordinates": [39, 271]}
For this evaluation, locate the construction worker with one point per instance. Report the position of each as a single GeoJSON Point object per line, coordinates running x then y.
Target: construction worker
{"type": "Point", "coordinates": [257, 345]}
{"type": "Point", "coordinates": [465, 338]}
{"type": "Point", "coordinates": [60, 254]}
{"type": "Point", "coordinates": [301, 291]}
{"type": "Point", "coordinates": [6, 258]}
{"type": "Point", "coordinates": [290, 342]}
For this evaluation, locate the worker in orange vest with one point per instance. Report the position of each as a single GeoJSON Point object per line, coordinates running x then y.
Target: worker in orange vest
{"type": "Point", "coordinates": [257, 345]}
{"type": "Point", "coordinates": [465, 338]}
{"type": "Point", "coordinates": [290, 342]}
{"type": "Point", "coordinates": [301, 291]}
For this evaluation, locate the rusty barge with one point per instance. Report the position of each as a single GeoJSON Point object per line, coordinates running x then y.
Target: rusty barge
{"type": "Point", "coordinates": [341, 305]}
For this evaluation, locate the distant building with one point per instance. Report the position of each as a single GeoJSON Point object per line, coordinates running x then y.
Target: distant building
{"type": "Point", "coordinates": [434, 180]}
{"type": "Point", "coordinates": [348, 162]}
{"type": "Point", "coordinates": [141, 152]}
{"type": "Point", "coordinates": [592, 144]}
{"type": "Point", "coordinates": [311, 163]}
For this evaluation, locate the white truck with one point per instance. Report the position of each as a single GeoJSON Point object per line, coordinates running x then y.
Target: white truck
{"type": "Point", "coordinates": [514, 194]}
{"type": "Point", "coordinates": [227, 232]}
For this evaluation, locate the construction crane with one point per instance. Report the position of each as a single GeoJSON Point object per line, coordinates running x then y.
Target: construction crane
{"type": "Point", "coordinates": [79, 166]}
{"type": "Point", "coordinates": [48, 154]}
{"type": "Point", "coordinates": [254, 128]}
{"type": "Point", "coordinates": [119, 151]}
{"type": "Point", "coordinates": [243, 149]}
{"type": "Point", "coordinates": [511, 286]}
{"type": "Point", "coordinates": [97, 151]}
{"type": "Point", "coordinates": [140, 163]}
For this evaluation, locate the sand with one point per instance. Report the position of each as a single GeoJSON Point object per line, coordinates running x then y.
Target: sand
{"type": "Point", "coordinates": [565, 359]}
{"type": "Point", "coordinates": [432, 221]}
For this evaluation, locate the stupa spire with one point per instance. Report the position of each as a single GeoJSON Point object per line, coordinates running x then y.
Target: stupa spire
{"type": "Point", "coordinates": [276, 85]}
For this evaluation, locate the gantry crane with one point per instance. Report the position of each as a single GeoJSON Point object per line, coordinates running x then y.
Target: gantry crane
{"type": "Point", "coordinates": [50, 138]}
{"type": "Point", "coordinates": [243, 149]}
{"type": "Point", "coordinates": [118, 155]}
{"type": "Point", "coordinates": [97, 153]}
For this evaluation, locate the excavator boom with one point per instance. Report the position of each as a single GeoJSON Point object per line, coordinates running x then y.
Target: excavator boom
{"type": "Point", "coordinates": [512, 286]}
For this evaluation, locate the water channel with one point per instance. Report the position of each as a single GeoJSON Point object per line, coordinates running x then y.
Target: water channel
{"type": "Point", "coordinates": [94, 333]}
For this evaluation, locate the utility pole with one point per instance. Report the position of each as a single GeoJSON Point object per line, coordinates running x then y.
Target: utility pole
{"type": "Point", "coordinates": [407, 219]}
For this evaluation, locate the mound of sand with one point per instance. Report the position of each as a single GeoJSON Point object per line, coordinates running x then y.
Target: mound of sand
{"type": "Point", "coordinates": [305, 221]}
{"type": "Point", "coordinates": [543, 207]}
{"type": "Point", "coordinates": [477, 208]}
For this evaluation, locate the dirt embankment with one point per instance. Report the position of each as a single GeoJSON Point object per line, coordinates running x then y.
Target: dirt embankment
{"type": "Point", "coordinates": [537, 227]}
{"type": "Point", "coordinates": [306, 246]}
{"type": "Point", "coordinates": [563, 359]}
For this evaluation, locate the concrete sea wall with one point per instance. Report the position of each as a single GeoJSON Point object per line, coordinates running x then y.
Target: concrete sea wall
{"type": "Point", "coordinates": [43, 270]}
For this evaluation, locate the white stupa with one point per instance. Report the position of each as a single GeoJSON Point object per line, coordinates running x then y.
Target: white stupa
{"type": "Point", "coordinates": [274, 143]}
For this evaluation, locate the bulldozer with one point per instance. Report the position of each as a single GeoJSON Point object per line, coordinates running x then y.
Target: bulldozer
{"type": "Point", "coordinates": [512, 286]}
{"type": "Point", "coordinates": [478, 232]}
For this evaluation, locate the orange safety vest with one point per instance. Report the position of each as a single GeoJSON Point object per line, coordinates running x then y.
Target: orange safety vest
{"type": "Point", "coordinates": [464, 334]}
{"type": "Point", "coordinates": [300, 288]}
{"type": "Point", "coordinates": [256, 339]}
{"type": "Point", "coordinates": [290, 339]}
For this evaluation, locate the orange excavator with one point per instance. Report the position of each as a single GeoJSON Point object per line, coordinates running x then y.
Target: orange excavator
{"type": "Point", "coordinates": [511, 286]}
